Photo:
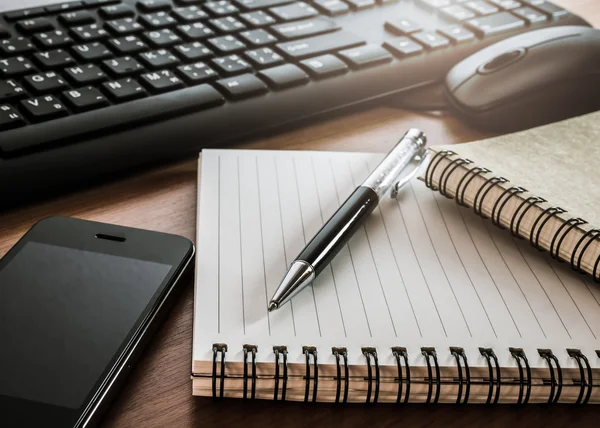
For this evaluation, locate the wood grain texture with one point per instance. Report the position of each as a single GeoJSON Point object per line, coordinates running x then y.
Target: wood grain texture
{"type": "Point", "coordinates": [158, 393]}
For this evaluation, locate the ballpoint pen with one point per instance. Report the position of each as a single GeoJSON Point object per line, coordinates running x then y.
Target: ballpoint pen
{"type": "Point", "coordinates": [336, 232]}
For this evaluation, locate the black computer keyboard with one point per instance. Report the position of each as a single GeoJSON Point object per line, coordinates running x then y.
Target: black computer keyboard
{"type": "Point", "coordinates": [91, 87]}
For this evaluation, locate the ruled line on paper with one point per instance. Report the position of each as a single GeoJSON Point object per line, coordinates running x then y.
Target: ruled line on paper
{"type": "Point", "coordinates": [339, 203]}
{"type": "Point", "coordinates": [239, 194]}
{"type": "Point", "coordinates": [219, 244]}
{"type": "Point", "coordinates": [262, 244]}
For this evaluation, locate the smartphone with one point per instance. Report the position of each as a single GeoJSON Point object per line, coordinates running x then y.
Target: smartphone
{"type": "Point", "coordinates": [78, 302]}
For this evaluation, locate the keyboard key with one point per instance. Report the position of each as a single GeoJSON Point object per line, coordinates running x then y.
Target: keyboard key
{"type": "Point", "coordinates": [506, 4]}
{"type": "Point", "coordinates": [10, 118]}
{"type": "Point", "coordinates": [153, 5]}
{"type": "Point", "coordinates": [16, 46]}
{"type": "Point", "coordinates": [189, 14]}
{"type": "Point", "coordinates": [431, 40]}
{"type": "Point", "coordinates": [81, 75]}
{"type": "Point", "coordinates": [127, 45]}
{"type": "Point", "coordinates": [434, 4]}
{"type": "Point", "coordinates": [318, 45]}
{"type": "Point", "coordinates": [332, 7]}
{"type": "Point", "coordinates": [324, 66]}
{"type": "Point", "coordinates": [258, 18]}
{"type": "Point", "coordinates": [195, 31]}
{"type": "Point", "coordinates": [85, 99]}
{"type": "Point", "coordinates": [365, 56]}
{"type": "Point", "coordinates": [121, 27]}
{"type": "Point", "coordinates": [530, 15]}
{"type": "Point", "coordinates": [124, 90]}
{"type": "Point", "coordinates": [403, 46]}
{"type": "Point", "coordinates": [361, 4]}
{"type": "Point", "coordinates": [308, 27]}
{"type": "Point", "coordinates": [244, 86]}
{"type": "Point", "coordinates": [95, 3]}
{"type": "Point", "coordinates": [456, 33]}
{"type": "Point", "coordinates": [57, 8]}
{"type": "Point", "coordinates": [162, 38]}
{"type": "Point", "coordinates": [197, 73]}
{"type": "Point", "coordinates": [89, 33]}
{"type": "Point", "coordinates": [157, 20]}
{"type": "Point", "coordinates": [15, 66]}
{"type": "Point", "coordinates": [89, 52]}
{"type": "Point", "coordinates": [481, 7]}
{"type": "Point", "coordinates": [56, 58]}
{"type": "Point", "coordinates": [158, 59]}
{"type": "Point", "coordinates": [231, 64]}
{"type": "Point", "coordinates": [228, 24]}
{"type": "Point", "coordinates": [161, 81]}
{"type": "Point", "coordinates": [53, 39]}
{"type": "Point", "coordinates": [35, 25]}
{"type": "Point", "coordinates": [258, 38]}
{"type": "Point", "coordinates": [284, 76]}
{"type": "Point", "coordinates": [264, 57]}
{"type": "Point", "coordinates": [193, 51]}
{"type": "Point", "coordinates": [124, 66]}
{"type": "Point", "coordinates": [227, 44]}
{"type": "Point", "coordinates": [294, 11]}
{"type": "Point", "coordinates": [44, 82]}
{"type": "Point", "coordinates": [25, 13]}
{"type": "Point", "coordinates": [457, 12]}
{"type": "Point", "coordinates": [494, 24]}
{"type": "Point", "coordinates": [402, 26]}
{"type": "Point", "coordinates": [43, 108]}
{"type": "Point", "coordinates": [116, 11]}
{"type": "Point", "coordinates": [4, 33]}
{"type": "Point", "coordinates": [221, 8]}
{"type": "Point", "coordinates": [9, 89]}
{"type": "Point", "coordinates": [260, 4]}
{"type": "Point", "coordinates": [549, 9]}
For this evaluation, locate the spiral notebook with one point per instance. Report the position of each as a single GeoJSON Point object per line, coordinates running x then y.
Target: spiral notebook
{"type": "Point", "coordinates": [429, 302]}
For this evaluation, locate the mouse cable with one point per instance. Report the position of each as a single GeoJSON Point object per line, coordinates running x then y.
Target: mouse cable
{"type": "Point", "coordinates": [429, 98]}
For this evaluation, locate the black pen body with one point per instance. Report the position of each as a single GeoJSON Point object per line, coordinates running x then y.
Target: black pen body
{"type": "Point", "coordinates": [339, 228]}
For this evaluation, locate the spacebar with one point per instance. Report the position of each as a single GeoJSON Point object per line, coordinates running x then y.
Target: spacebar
{"type": "Point", "coordinates": [109, 119]}
{"type": "Point", "coordinates": [303, 48]}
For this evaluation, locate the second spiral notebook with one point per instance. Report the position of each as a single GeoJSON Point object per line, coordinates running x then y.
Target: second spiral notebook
{"type": "Point", "coordinates": [427, 303]}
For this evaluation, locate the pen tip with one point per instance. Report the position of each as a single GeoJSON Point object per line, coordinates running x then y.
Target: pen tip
{"type": "Point", "coordinates": [273, 306]}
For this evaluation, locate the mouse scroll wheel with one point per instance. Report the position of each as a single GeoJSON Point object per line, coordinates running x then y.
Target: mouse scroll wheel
{"type": "Point", "coordinates": [502, 61]}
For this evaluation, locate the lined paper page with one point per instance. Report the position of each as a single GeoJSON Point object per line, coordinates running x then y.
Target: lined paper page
{"type": "Point", "coordinates": [422, 271]}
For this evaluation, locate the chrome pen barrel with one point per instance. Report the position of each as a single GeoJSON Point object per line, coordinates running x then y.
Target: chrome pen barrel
{"type": "Point", "coordinates": [384, 176]}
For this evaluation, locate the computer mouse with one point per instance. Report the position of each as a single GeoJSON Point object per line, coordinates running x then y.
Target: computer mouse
{"type": "Point", "coordinates": [531, 79]}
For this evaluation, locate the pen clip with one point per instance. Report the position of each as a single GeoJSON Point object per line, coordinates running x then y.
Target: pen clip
{"type": "Point", "coordinates": [419, 160]}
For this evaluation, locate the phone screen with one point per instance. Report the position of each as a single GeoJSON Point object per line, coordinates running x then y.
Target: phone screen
{"type": "Point", "coordinates": [64, 314]}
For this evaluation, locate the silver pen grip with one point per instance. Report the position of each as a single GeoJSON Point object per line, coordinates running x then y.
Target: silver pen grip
{"type": "Point", "coordinates": [384, 176]}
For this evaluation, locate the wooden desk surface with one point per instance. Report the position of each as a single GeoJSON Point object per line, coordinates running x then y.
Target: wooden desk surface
{"type": "Point", "coordinates": [158, 394]}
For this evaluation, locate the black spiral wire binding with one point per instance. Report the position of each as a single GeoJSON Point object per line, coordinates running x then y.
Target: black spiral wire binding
{"type": "Point", "coordinates": [528, 204]}
{"type": "Point", "coordinates": [280, 350]}
{"type": "Point", "coordinates": [252, 349]}
{"type": "Point", "coordinates": [401, 352]}
{"type": "Point", "coordinates": [556, 382]}
{"type": "Point", "coordinates": [429, 353]}
{"type": "Point", "coordinates": [595, 272]}
{"type": "Point", "coordinates": [585, 383]}
{"type": "Point", "coordinates": [468, 177]}
{"type": "Point", "coordinates": [459, 353]}
{"type": "Point", "coordinates": [521, 358]}
{"type": "Point", "coordinates": [489, 355]}
{"type": "Point", "coordinates": [598, 353]}
{"type": "Point", "coordinates": [433, 164]}
{"type": "Point", "coordinates": [509, 193]}
{"type": "Point", "coordinates": [308, 351]}
{"type": "Point", "coordinates": [549, 213]}
{"type": "Point", "coordinates": [343, 353]}
{"type": "Point", "coordinates": [592, 234]}
{"type": "Point", "coordinates": [222, 348]}
{"type": "Point", "coordinates": [568, 225]}
{"type": "Point", "coordinates": [447, 172]}
{"type": "Point", "coordinates": [489, 184]}
{"type": "Point", "coordinates": [371, 353]}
